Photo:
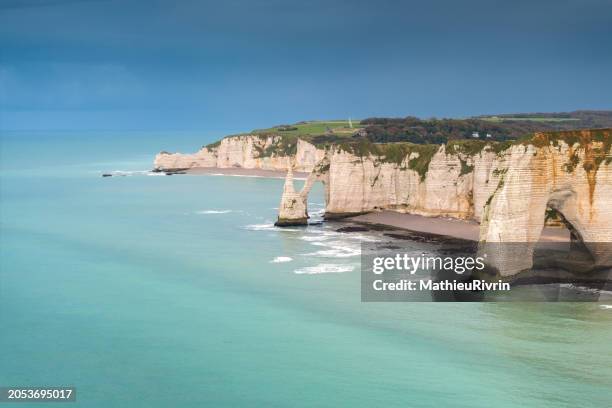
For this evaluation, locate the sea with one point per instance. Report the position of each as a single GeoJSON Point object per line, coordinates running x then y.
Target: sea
{"type": "Point", "coordinates": [143, 290]}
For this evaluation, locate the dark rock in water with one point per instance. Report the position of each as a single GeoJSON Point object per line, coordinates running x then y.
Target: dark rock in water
{"type": "Point", "coordinates": [177, 171]}
{"type": "Point", "coordinates": [282, 222]}
{"type": "Point", "coordinates": [107, 175]}
{"type": "Point", "coordinates": [170, 172]}
{"type": "Point", "coordinates": [354, 228]}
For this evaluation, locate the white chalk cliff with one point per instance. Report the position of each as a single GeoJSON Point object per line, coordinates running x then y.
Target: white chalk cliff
{"type": "Point", "coordinates": [506, 188]}
{"type": "Point", "coordinates": [507, 191]}
{"type": "Point", "coordinates": [245, 151]}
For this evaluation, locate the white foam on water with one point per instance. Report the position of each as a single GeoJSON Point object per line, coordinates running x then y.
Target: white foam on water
{"type": "Point", "coordinates": [605, 307]}
{"type": "Point", "coordinates": [344, 235]}
{"type": "Point", "coordinates": [214, 212]}
{"type": "Point", "coordinates": [324, 268]}
{"type": "Point", "coordinates": [155, 174]}
{"type": "Point", "coordinates": [281, 259]}
{"type": "Point", "coordinates": [260, 227]}
{"type": "Point", "coordinates": [268, 227]}
{"type": "Point", "coordinates": [313, 238]}
{"type": "Point", "coordinates": [323, 231]}
{"type": "Point", "coordinates": [321, 237]}
{"type": "Point", "coordinates": [582, 288]}
{"type": "Point", "coordinates": [336, 249]}
{"type": "Point", "coordinates": [337, 252]}
{"type": "Point", "coordinates": [131, 172]}
{"type": "Point", "coordinates": [335, 244]}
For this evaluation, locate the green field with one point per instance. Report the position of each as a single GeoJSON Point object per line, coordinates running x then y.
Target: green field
{"type": "Point", "coordinates": [313, 128]}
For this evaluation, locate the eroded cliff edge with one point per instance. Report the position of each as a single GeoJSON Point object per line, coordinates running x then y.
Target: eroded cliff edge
{"type": "Point", "coordinates": [246, 151]}
{"type": "Point", "coordinates": [457, 179]}
{"type": "Point", "coordinates": [509, 188]}
{"type": "Point", "coordinates": [460, 178]}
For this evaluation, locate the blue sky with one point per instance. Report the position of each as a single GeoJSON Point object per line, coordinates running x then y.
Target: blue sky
{"type": "Point", "coordinates": [237, 65]}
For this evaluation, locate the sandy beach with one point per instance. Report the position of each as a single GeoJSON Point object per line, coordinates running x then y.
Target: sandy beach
{"type": "Point", "coordinates": [463, 229]}
{"type": "Point", "coordinates": [242, 172]}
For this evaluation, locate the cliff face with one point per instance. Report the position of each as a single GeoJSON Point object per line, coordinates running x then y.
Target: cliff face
{"type": "Point", "coordinates": [455, 180]}
{"type": "Point", "coordinates": [174, 161]}
{"type": "Point", "coordinates": [508, 191]}
{"type": "Point", "coordinates": [249, 152]}
{"type": "Point", "coordinates": [508, 188]}
{"type": "Point", "coordinates": [454, 184]}
{"type": "Point", "coordinates": [572, 176]}
{"type": "Point", "coordinates": [460, 180]}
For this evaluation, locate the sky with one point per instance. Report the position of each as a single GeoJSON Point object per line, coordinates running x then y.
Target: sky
{"type": "Point", "coordinates": [236, 65]}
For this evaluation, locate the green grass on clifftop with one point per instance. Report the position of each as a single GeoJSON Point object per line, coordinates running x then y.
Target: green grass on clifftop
{"type": "Point", "coordinates": [312, 128]}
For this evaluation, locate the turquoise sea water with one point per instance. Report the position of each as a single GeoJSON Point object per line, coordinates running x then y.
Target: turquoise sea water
{"type": "Point", "coordinates": [147, 291]}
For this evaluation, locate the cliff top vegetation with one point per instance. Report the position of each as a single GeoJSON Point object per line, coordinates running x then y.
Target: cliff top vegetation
{"type": "Point", "coordinates": [469, 135]}
{"type": "Point", "coordinates": [313, 128]}
{"type": "Point", "coordinates": [499, 128]}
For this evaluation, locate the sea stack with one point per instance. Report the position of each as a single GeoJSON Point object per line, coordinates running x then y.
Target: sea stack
{"type": "Point", "coordinates": [292, 210]}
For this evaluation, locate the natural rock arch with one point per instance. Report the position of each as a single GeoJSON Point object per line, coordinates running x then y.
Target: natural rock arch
{"type": "Point", "coordinates": [567, 171]}
{"type": "Point", "coordinates": [540, 177]}
{"type": "Point", "coordinates": [293, 209]}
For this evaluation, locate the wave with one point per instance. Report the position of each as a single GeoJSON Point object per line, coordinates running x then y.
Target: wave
{"type": "Point", "coordinates": [281, 259]}
{"type": "Point", "coordinates": [314, 238]}
{"type": "Point", "coordinates": [268, 227]}
{"type": "Point", "coordinates": [127, 173]}
{"type": "Point", "coordinates": [605, 307]}
{"type": "Point", "coordinates": [318, 213]}
{"type": "Point", "coordinates": [260, 227]}
{"type": "Point", "coordinates": [130, 172]}
{"type": "Point", "coordinates": [214, 211]}
{"type": "Point", "coordinates": [321, 237]}
{"type": "Point", "coordinates": [325, 231]}
{"type": "Point", "coordinates": [336, 249]}
{"type": "Point", "coordinates": [324, 268]}
{"type": "Point", "coordinates": [336, 253]}
{"type": "Point", "coordinates": [585, 289]}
